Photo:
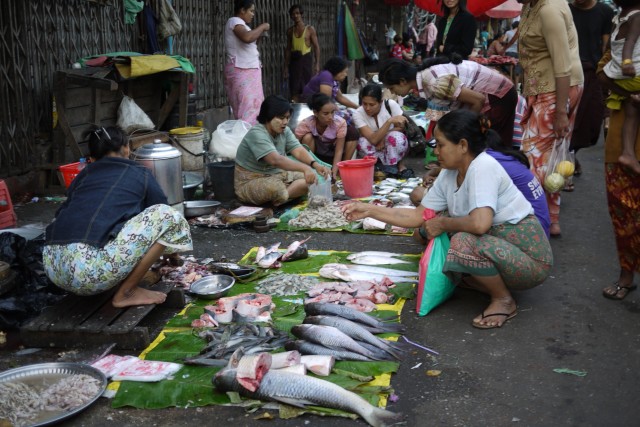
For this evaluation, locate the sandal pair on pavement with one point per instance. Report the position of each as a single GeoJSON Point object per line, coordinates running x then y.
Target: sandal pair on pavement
{"type": "Point", "coordinates": [621, 292]}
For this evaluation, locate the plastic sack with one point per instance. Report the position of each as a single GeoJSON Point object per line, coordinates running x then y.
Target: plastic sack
{"type": "Point", "coordinates": [320, 192]}
{"type": "Point", "coordinates": [560, 166]}
{"type": "Point", "coordinates": [227, 137]}
{"type": "Point", "coordinates": [434, 287]}
{"type": "Point", "coordinates": [131, 117]}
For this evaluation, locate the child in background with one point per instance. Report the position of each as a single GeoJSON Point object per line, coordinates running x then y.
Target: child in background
{"type": "Point", "coordinates": [408, 50]}
{"type": "Point", "coordinates": [396, 50]}
{"type": "Point", "coordinates": [623, 68]}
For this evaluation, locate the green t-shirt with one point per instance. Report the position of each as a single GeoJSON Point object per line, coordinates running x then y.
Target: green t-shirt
{"type": "Point", "coordinates": [257, 143]}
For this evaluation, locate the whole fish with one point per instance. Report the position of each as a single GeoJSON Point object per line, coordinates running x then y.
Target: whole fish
{"type": "Point", "coordinates": [293, 248]}
{"type": "Point", "coordinates": [317, 308]}
{"type": "Point", "coordinates": [301, 390]}
{"type": "Point", "coordinates": [272, 248]}
{"type": "Point", "coordinates": [371, 269]}
{"type": "Point", "coordinates": [270, 260]}
{"type": "Point", "coordinates": [349, 275]}
{"type": "Point", "coordinates": [307, 347]}
{"type": "Point", "coordinates": [377, 260]}
{"type": "Point", "coordinates": [262, 251]}
{"type": "Point", "coordinates": [373, 253]}
{"type": "Point", "coordinates": [354, 330]}
{"type": "Point", "coordinates": [331, 337]}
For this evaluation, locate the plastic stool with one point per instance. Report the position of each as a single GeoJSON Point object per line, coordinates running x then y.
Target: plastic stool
{"type": "Point", "coordinates": [8, 217]}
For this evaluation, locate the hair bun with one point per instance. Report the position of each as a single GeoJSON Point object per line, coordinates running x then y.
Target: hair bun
{"type": "Point", "coordinates": [485, 124]}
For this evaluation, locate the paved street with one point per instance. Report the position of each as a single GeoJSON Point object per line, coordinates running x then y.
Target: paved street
{"type": "Point", "coordinates": [500, 377]}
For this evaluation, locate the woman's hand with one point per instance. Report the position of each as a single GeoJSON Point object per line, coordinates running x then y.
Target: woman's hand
{"type": "Point", "coordinates": [398, 121]}
{"type": "Point", "coordinates": [322, 170]}
{"type": "Point", "coordinates": [265, 26]}
{"type": "Point", "coordinates": [310, 176]}
{"type": "Point", "coordinates": [355, 210]}
{"type": "Point", "coordinates": [561, 124]}
{"type": "Point", "coordinates": [434, 227]}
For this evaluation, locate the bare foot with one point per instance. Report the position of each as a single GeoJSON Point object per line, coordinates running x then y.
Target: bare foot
{"type": "Point", "coordinates": [499, 311]}
{"type": "Point", "coordinates": [554, 229]}
{"type": "Point", "coordinates": [137, 296]}
{"type": "Point", "coordinates": [630, 161]}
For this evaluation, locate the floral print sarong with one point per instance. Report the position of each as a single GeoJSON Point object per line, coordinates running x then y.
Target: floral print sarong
{"type": "Point", "coordinates": [395, 148]}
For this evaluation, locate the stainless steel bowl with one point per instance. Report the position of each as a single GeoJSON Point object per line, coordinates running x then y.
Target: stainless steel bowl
{"type": "Point", "coordinates": [212, 287]}
{"type": "Point", "coordinates": [200, 207]}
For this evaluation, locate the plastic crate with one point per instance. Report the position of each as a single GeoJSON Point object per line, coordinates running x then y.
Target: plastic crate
{"type": "Point", "coordinates": [69, 172]}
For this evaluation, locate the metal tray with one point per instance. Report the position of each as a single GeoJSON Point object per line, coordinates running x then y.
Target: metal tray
{"type": "Point", "coordinates": [59, 371]}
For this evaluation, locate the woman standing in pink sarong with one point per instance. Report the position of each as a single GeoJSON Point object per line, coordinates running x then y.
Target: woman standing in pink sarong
{"type": "Point", "coordinates": [242, 71]}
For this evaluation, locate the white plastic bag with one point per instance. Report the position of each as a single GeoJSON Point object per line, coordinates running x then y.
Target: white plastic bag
{"type": "Point", "coordinates": [131, 117]}
{"type": "Point", "coordinates": [227, 137]}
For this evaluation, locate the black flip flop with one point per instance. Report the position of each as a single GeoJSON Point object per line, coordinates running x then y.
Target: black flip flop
{"type": "Point", "coordinates": [619, 288]}
{"type": "Point", "coordinates": [508, 316]}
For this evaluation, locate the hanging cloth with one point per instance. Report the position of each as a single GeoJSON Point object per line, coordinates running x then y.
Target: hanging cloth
{"type": "Point", "coordinates": [354, 48]}
{"type": "Point", "coordinates": [131, 9]}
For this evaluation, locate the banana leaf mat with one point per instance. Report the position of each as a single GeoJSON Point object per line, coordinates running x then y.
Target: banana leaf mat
{"type": "Point", "coordinates": [191, 386]}
{"type": "Point", "coordinates": [352, 227]}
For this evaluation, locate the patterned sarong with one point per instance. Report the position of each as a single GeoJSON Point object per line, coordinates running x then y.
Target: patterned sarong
{"type": "Point", "coordinates": [244, 91]}
{"type": "Point", "coordinates": [257, 188]}
{"type": "Point", "coordinates": [395, 148]}
{"type": "Point", "coordinates": [519, 253]}
{"type": "Point", "coordinates": [539, 137]}
{"type": "Point", "coordinates": [87, 270]}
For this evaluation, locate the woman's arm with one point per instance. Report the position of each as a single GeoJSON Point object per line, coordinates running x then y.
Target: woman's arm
{"type": "Point", "coordinates": [337, 156]}
{"type": "Point", "coordinates": [301, 154]}
{"type": "Point", "coordinates": [377, 137]}
{"type": "Point", "coordinates": [561, 119]}
{"type": "Point", "coordinates": [408, 218]}
{"type": "Point", "coordinates": [478, 222]}
{"type": "Point", "coordinates": [249, 36]}
{"type": "Point", "coordinates": [345, 101]}
{"type": "Point", "coordinates": [472, 99]}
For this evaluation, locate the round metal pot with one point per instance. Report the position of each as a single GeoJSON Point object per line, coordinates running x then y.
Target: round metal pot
{"type": "Point", "coordinates": [164, 160]}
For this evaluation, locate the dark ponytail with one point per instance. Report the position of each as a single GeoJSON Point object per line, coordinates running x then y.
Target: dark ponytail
{"type": "Point", "coordinates": [452, 58]}
{"type": "Point", "coordinates": [393, 70]}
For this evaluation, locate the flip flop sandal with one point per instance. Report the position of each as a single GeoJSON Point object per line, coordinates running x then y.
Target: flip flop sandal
{"type": "Point", "coordinates": [569, 188]}
{"type": "Point", "coordinates": [406, 174]}
{"type": "Point", "coordinates": [626, 289]}
{"type": "Point", "coordinates": [508, 316]}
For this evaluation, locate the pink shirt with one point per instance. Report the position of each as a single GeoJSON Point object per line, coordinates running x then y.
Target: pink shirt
{"type": "Point", "coordinates": [337, 129]}
{"type": "Point", "coordinates": [243, 55]}
{"type": "Point", "coordinates": [442, 84]}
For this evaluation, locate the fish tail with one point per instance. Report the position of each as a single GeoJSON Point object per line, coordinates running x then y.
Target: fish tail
{"type": "Point", "coordinates": [379, 417]}
{"type": "Point", "coordinates": [393, 327]}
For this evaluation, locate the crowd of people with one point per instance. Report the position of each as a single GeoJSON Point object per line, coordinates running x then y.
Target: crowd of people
{"type": "Point", "coordinates": [487, 192]}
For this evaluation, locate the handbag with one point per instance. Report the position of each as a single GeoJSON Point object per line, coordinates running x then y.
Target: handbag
{"type": "Point", "coordinates": [414, 133]}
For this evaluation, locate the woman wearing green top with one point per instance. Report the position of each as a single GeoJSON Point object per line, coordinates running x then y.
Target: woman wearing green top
{"type": "Point", "coordinates": [264, 173]}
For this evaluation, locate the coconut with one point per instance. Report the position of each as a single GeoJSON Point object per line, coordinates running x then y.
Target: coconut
{"type": "Point", "coordinates": [553, 182]}
{"type": "Point", "coordinates": [565, 168]}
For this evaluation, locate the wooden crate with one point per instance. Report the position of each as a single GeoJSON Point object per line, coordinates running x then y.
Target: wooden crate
{"type": "Point", "coordinates": [77, 322]}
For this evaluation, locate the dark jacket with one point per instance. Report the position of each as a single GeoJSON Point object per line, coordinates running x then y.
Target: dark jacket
{"type": "Point", "coordinates": [461, 35]}
{"type": "Point", "coordinates": [101, 199]}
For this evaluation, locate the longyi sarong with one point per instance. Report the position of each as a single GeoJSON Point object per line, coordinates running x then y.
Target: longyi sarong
{"type": "Point", "coordinates": [257, 188]}
{"type": "Point", "coordinates": [244, 91]}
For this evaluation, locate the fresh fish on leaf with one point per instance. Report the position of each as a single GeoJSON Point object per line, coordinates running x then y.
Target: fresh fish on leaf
{"type": "Point", "coordinates": [354, 330]}
{"type": "Point", "coordinates": [354, 315]}
{"type": "Point", "coordinates": [331, 337]}
{"type": "Point", "coordinates": [330, 271]}
{"type": "Point", "coordinates": [251, 369]}
{"type": "Point", "coordinates": [377, 260]}
{"type": "Point", "coordinates": [286, 284]}
{"type": "Point", "coordinates": [319, 364]}
{"type": "Point", "coordinates": [300, 390]}
{"type": "Point", "coordinates": [291, 250]}
{"type": "Point", "coordinates": [310, 348]}
{"type": "Point", "coordinates": [270, 260]}
{"type": "Point", "coordinates": [371, 269]}
{"type": "Point", "coordinates": [298, 369]}
{"type": "Point", "coordinates": [284, 359]}
{"type": "Point", "coordinates": [374, 253]}
{"type": "Point", "coordinates": [262, 251]}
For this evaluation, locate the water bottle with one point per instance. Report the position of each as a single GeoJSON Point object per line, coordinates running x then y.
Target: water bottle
{"type": "Point", "coordinates": [82, 164]}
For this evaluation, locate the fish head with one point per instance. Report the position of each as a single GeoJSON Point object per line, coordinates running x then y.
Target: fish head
{"type": "Point", "coordinates": [225, 379]}
{"type": "Point", "coordinates": [269, 260]}
{"type": "Point", "coordinates": [234, 360]}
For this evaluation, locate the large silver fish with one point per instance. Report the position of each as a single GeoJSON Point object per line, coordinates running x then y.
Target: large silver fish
{"type": "Point", "coordinates": [354, 330]}
{"type": "Point", "coordinates": [331, 337]}
{"type": "Point", "coordinates": [318, 308]}
{"type": "Point", "coordinates": [270, 260]}
{"type": "Point", "coordinates": [329, 271]}
{"type": "Point", "coordinates": [375, 270]}
{"type": "Point", "coordinates": [373, 253]}
{"type": "Point", "coordinates": [377, 260]}
{"type": "Point", "coordinates": [308, 347]}
{"type": "Point", "coordinates": [300, 390]}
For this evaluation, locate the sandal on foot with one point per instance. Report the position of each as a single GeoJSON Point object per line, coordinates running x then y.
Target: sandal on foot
{"type": "Point", "coordinates": [508, 316]}
{"type": "Point", "coordinates": [569, 187]}
{"type": "Point", "coordinates": [406, 174]}
{"type": "Point", "coordinates": [621, 291]}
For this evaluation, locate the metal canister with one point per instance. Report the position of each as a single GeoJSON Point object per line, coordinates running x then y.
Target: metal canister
{"type": "Point", "coordinates": [164, 160]}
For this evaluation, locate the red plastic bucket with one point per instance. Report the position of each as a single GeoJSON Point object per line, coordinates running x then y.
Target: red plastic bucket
{"type": "Point", "coordinates": [357, 176]}
{"type": "Point", "coordinates": [69, 172]}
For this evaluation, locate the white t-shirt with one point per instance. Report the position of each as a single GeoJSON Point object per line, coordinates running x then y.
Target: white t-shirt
{"type": "Point", "coordinates": [243, 55]}
{"type": "Point", "coordinates": [486, 184]}
{"type": "Point", "coordinates": [508, 36]}
{"type": "Point", "coordinates": [361, 119]}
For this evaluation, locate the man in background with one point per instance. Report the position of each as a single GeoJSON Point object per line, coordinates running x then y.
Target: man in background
{"type": "Point", "coordinates": [302, 39]}
{"type": "Point", "coordinates": [511, 43]}
{"type": "Point", "coordinates": [593, 24]}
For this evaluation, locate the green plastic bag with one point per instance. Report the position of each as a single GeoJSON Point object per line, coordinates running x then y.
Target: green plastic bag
{"type": "Point", "coordinates": [434, 286]}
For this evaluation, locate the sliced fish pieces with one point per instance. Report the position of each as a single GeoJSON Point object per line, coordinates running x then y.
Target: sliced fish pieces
{"type": "Point", "coordinates": [319, 364]}
{"type": "Point", "coordinates": [251, 369]}
{"type": "Point", "coordinates": [299, 369]}
{"type": "Point", "coordinates": [287, 358]}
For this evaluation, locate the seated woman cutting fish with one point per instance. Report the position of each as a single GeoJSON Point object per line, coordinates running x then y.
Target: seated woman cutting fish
{"type": "Point", "coordinates": [497, 244]}
{"type": "Point", "coordinates": [113, 226]}
{"type": "Point", "coordinates": [263, 172]}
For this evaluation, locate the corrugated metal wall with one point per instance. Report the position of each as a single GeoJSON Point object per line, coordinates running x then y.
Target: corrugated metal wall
{"type": "Point", "coordinates": [39, 37]}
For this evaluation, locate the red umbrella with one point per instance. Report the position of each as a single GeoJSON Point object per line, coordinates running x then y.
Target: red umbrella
{"type": "Point", "coordinates": [508, 9]}
{"type": "Point", "coordinates": [476, 7]}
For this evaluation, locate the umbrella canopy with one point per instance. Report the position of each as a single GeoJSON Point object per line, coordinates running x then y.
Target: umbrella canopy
{"type": "Point", "coordinates": [508, 9]}
{"type": "Point", "coordinates": [475, 7]}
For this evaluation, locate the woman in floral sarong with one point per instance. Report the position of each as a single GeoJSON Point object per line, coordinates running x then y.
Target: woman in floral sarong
{"type": "Point", "coordinates": [242, 71]}
{"type": "Point", "coordinates": [553, 85]}
{"type": "Point", "coordinates": [497, 244]}
{"type": "Point", "coordinates": [113, 226]}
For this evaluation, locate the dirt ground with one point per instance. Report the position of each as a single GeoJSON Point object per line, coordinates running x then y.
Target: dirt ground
{"type": "Point", "coordinates": [500, 377]}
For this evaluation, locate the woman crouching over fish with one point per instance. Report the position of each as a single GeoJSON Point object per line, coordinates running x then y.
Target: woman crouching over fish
{"type": "Point", "coordinates": [497, 244]}
{"type": "Point", "coordinates": [264, 173]}
{"type": "Point", "coordinates": [113, 226]}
